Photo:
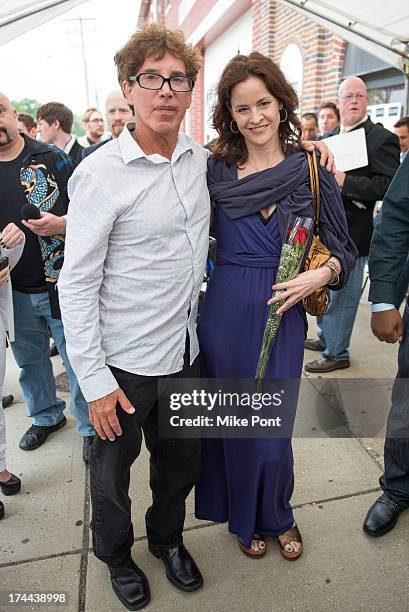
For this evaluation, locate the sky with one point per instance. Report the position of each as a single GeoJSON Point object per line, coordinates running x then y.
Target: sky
{"type": "Point", "coordinates": [46, 63]}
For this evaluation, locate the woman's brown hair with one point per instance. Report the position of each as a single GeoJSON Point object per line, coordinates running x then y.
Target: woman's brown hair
{"type": "Point", "coordinates": [230, 147]}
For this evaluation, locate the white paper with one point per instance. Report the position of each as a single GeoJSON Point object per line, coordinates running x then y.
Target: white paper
{"type": "Point", "coordinates": [349, 150]}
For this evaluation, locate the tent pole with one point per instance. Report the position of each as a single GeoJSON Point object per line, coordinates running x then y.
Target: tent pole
{"type": "Point", "coordinates": [405, 70]}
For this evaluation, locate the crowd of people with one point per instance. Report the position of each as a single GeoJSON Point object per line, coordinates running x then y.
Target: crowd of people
{"type": "Point", "coordinates": [33, 173]}
{"type": "Point", "coordinates": [104, 242]}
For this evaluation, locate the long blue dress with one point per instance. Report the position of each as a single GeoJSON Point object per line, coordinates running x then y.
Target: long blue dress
{"type": "Point", "coordinates": [247, 482]}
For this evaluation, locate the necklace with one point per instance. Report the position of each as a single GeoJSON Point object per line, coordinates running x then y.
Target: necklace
{"type": "Point", "coordinates": [266, 167]}
{"type": "Point", "coordinates": [252, 165]}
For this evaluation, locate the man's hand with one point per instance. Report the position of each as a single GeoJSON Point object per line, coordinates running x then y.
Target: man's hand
{"type": "Point", "coordinates": [4, 275]}
{"type": "Point", "coordinates": [102, 414]}
{"type": "Point", "coordinates": [387, 326]}
{"type": "Point", "coordinates": [11, 236]}
{"type": "Point", "coordinates": [340, 178]}
{"type": "Point", "coordinates": [48, 225]}
{"type": "Point", "coordinates": [326, 157]}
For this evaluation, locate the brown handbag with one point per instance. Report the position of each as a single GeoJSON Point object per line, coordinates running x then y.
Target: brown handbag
{"type": "Point", "coordinates": [317, 303]}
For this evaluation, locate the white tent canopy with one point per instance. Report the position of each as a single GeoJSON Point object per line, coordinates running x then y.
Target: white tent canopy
{"type": "Point", "coordinates": [20, 16]}
{"type": "Point", "coordinates": [379, 27]}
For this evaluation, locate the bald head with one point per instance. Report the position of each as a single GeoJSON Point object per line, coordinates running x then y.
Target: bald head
{"type": "Point", "coordinates": [8, 124]}
{"type": "Point", "coordinates": [4, 100]}
{"type": "Point", "coordinates": [354, 83]}
{"type": "Point", "coordinates": [117, 112]}
{"type": "Point", "coordinates": [352, 101]}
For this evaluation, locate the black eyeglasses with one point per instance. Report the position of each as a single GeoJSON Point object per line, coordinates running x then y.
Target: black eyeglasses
{"type": "Point", "coordinates": [150, 80]}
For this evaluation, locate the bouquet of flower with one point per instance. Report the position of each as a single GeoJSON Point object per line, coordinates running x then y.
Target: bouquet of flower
{"type": "Point", "coordinates": [292, 255]}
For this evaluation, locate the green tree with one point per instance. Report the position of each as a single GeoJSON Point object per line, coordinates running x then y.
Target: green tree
{"type": "Point", "coordinates": [77, 128]}
{"type": "Point", "coordinates": [26, 105]}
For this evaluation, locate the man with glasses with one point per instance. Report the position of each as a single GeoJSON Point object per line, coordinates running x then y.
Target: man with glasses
{"type": "Point", "coordinates": [93, 124]}
{"type": "Point", "coordinates": [138, 234]}
{"type": "Point", "coordinates": [136, 251]}
{"type": "Point", "coordinates": [360, 189]}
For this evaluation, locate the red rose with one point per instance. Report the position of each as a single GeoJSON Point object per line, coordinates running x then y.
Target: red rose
{"type": "Point", "coordinates": [301, 236]}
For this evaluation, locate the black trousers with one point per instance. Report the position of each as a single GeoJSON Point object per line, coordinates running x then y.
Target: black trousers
{"type": "Point", "coordinates": [395, 480]}
{"type": "Point", "coordinates": [174, 469]}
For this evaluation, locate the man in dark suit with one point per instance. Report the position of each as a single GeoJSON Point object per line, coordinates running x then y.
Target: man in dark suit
{"type": "Point", "coordinates": [54, 125]}
{"type": "Point", "coordinates": [360, 189]}
{"type": "Point", "coordinates": [385, 265]}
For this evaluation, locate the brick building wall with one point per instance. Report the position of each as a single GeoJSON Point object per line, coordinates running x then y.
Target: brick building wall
{"type": "Point", "coordinates": [196, 114]}
{"type": "Point", "coordinates": [276, 26]}
{"type": "Point", "coordinates": [264, 26]}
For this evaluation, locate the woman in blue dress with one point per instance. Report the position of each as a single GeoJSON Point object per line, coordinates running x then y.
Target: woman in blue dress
{"type": "Point", "coordinates": [258, 176]}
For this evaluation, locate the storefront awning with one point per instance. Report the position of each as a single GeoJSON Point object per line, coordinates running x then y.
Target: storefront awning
{"type": "Point", "coordinates": [379, 27]}
{"type": "Point", "coordinates": [20, 16]}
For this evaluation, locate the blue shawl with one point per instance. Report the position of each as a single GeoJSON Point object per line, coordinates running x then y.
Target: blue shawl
{"type": "Point", "coordinates": [287, 185]}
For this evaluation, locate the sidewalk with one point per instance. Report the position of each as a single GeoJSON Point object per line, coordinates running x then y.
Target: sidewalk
{"type": "Point", "coordinates": [45, 541]}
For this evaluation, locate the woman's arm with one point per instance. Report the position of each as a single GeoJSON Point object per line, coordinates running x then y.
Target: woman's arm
{"type": "Point", "coordinates": [333, 233]}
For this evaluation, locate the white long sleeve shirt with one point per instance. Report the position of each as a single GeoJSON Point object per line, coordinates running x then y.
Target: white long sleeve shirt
{"type": "Point", "coordinates": [135, 254]}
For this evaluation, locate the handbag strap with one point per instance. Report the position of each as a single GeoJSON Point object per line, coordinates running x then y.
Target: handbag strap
{"type": "Point", "coordinates": [314, 185]}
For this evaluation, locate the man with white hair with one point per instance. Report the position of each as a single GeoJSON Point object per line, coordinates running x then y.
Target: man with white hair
{"type": "Point", "coordinates": [360, 189]}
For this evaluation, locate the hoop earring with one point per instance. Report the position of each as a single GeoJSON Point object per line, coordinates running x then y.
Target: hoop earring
{"type": "Point", "coordinates": [231, 127]}
{"type": "Point", "coordinates": [286, 115]}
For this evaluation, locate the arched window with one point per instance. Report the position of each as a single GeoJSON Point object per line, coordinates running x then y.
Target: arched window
{"type": "Point", "coordinates": [292, 66]}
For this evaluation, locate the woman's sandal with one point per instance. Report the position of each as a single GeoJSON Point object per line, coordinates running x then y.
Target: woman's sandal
{"type": "Point", "coordinates": [257, 549]}
{"type": "Point", "coordinates": [285, 539]}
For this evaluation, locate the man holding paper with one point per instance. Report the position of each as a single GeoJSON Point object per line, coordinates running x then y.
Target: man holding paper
{"type": "Point", "coordinates": [361, 186]}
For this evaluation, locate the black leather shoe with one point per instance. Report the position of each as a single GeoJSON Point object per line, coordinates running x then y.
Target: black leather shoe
{"type": "Point", "coordinates": [1, 510]}
{"type": "Point", "coordinates": [7, 400]}
{"type": "Point", "coordinates": [11, 486]}
{"type": "Point", "coordinates": [86, 448]}
{"type": "Point", "coordinates": [382, 516]}
{"type": "Point", "coordinates": [36, 435]}
{"type": "Point", "coordinates": [181, 570]}
{"type": "Point", "coordinates": [130, 585]}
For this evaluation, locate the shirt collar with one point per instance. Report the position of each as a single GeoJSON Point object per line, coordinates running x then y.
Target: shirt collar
{"type": "Point", "coordinates": [131, 150]}
{"type": "Point", "coordinates": [344, 129]}
{"type": "Point", "coordinates": [69, 145]}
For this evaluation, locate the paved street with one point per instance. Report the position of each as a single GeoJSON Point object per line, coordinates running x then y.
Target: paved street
{"type": "Point", "coordinates": [45, 541]}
